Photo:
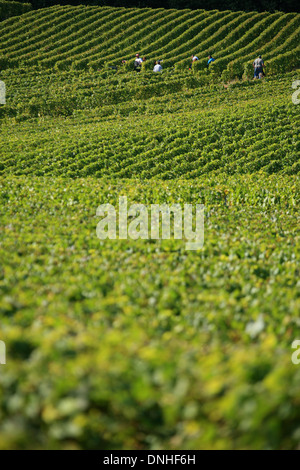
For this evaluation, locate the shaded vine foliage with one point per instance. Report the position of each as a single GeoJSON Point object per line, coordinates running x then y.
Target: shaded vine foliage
{"type": "Point", "coordinates": [235, 5]}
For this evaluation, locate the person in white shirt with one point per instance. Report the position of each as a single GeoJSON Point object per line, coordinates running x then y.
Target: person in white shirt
{"type": "Point", "coordinates": [157, 67]}
{"type": "Point", "coordinates": [194, 58]}
{"type": "Point", "coordinates": [138, 63]}
{"type": "Point", "coordinates": [258, 65]}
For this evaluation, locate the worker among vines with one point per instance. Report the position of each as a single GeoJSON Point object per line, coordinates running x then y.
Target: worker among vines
{"type": "Point", "coordinates": [258, 65]}
{"type": "Point", "coordinates": [138, 63]}
{"type": "Point", "coordinates": [210, 60]}
{"type": "Point", "coordinates": [157, 67]}
{"type": "Point", "coordinates": [194, 59]}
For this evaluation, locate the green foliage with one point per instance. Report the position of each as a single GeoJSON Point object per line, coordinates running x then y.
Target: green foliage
{"type": "Point", "coordinates": [122, 344]}
{"type": "Point", "coordinates": [141, 344]}
{"type": "Point", "coordinates": [9, 9]}
{"type": "Point", "coordinates": [83, 37]}
{"type": "Point", "coordinates": [147, 125]}
{"type": "Point", "coordinates": [248, 70]}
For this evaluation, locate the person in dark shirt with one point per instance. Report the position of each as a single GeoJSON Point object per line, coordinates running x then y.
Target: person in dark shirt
{"type": "Point", "coordinates": [210, 60]}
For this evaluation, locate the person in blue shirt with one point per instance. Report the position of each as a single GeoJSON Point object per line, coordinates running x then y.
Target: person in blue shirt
{"type": "Point", "coordinates": [210, 60]}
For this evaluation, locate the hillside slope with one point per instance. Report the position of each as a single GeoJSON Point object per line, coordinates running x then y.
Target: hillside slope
{"type": "Point", "coordinates": [86, 36]}
{"type": "Point", "coordinates": [142, 343]}
{"type": "Point", "coordinates": [147, 126]}
{"type": "Point", "coordinates": [9, 9]}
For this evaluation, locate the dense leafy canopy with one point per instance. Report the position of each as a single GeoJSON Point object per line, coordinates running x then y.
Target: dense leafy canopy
{"type": "Point", "coordinates": [123, 344]}
{"type": "Point", "coordinates": [67, 37]}
{"type": "Point", "coordinates": [9, 9]}
{"type": "Point", "coordinates": [236, 5]}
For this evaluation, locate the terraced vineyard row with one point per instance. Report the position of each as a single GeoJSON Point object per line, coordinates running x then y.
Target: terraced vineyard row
{"type": "Point", "coordinates": [79, 37]}
{"type": "Point", "coordinates": [184, 134]}
{"type": "Point", "coordinates": [40, 93]}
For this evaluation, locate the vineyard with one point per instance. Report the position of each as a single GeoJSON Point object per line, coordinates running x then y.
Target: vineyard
{"type": "Point", "coordinates": [182, 127]}
{"type": "Point", "coordinates": [9, 9]}
{"type": "Point", "coordinates": [66, 37]}
{"type": "Point", "coordinates": [142, 344]}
